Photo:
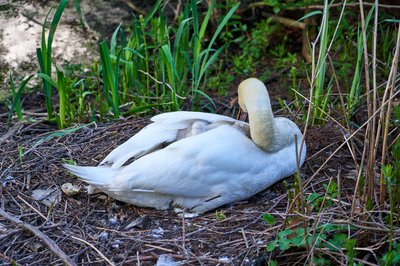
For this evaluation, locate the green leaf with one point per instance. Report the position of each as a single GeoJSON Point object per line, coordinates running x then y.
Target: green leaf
{"type": "Point", "coordinates": [284, 244]}
{"type": "Point", "coordinates": [285, 233]}
{"type": "Point", "coordinates": [206, 96]}
{"type": "Point", "coordinates": [18, 94]}
{"type": "Point", "coordinates": [272, 263]}
{"type": "Point", "coordinates": [79, 11]}
{"type": "Point", "coordinates": [272, 245]}
{"type": "Point", "coordinates": [313, 13]}
{"type": "Point", "coordinates": [268, 218]}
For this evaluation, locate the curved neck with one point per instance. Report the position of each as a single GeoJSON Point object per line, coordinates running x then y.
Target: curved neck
{"type": "Point", "coordinates": [254, 99]}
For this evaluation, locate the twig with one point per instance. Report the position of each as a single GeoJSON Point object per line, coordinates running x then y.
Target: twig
{"type": "Point", "coordinates": [33, 208]}
{"type": "Point", "coordinates": [389, 88]}
{"type": "Point", "coordinates": [159, 248]}
{"type": "Point", "coordinates": [134, 7]}
{"type": "Point", "coordinates": [262, 4]}
{"type": "Point", "coordinates": [95, 249]}
{"type": "Point", "coordinates": [48, 241]}
{"type": "Point", "coordinates": [348, 139]}
{"type": "Point", "coordinates": [286, 21]}
{"type": "Point", "coordinates": [10, 132]}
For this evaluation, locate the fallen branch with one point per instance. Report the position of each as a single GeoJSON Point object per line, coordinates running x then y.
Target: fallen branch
{"type": "Point", "coordinates": [10, 132]}
{"type": "Point", "coordinates": [95, 249]}
{"type": "Point", "coordinates": [263, 4]}
{"type": "Point", "coordinates": [134, 8]}
{"type": "Point", "coordinates": [49, 242]}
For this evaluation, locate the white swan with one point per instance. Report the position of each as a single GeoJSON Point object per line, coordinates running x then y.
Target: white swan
{"type": "Point", "coordinates": [200, 161]}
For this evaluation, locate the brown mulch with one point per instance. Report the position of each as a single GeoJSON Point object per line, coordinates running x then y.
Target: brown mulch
{"type": "Point", "coordinates": [89, 228]}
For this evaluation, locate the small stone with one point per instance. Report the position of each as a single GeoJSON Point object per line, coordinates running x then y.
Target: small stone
{"type": "Point", "coordinates": [142, 222]}
{"type": "Point", "coordinates": [157, 232]}
{"type": "Point", "coordinates": [90, 189]}
{"type": "Point", "coordinates": [70, 189]}
{"type": "Point", "coordinates": [166, 260]}
{"type": "Point", "coordinates": [225, 260]}
{"type": "Point", "coordinates": [48, 197]}
{"type": "Point", "coordinates": [112, 221]}
{"type": "Point", "coordinates": [116, 244]}
{"type": "Point", "coordinates": [103, 236]}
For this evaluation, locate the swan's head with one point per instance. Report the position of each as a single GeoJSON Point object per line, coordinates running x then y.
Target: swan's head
{"type": "Point", "coordinates": [252, 91]}
{"type": "Point", "coordinates": [269, 133]}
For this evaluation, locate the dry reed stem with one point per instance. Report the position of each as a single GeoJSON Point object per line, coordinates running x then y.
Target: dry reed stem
{"type": "Point", "coordinates": [391, 85]}
{"type": "Point", "coordinates": [49, 242]}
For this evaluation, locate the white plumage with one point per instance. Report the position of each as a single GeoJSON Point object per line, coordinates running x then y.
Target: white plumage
{"type": "Point", "coordinates": [200, 161]}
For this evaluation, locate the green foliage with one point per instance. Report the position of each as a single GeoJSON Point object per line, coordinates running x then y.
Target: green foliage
{"type": "Point", "coordinates": [282, 57]}
{"type": "Point", "coordinates": [392, 257]}
{"type": "Point", "coordinates": [219, 216]}
{"type": "Point", "coordinates": [391, 173]}
{"type": "Point", "coordinates": [328, 236]}
{"type": "Point", "coordinates": [318, 202]}
{"type": "Point", "coordinates": [16, 96]}
{"type": "Point", "coordinates": [44, 55]}
{"type": "Point", "coordinates": [268, 218]}
{"type": "Point", "coordinates": [277, 6]}
{"type": "Point", "coordinates": [254, 48]}
{"type": "Point", "coordinates": [158, 65]}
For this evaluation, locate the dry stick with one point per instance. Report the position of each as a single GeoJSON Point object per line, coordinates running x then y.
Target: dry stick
{"type": "Point", "coordinates": [262, 4]}
{"type": "Point", "coordinates": [358, 179]}
{"type": "Point", "coordinates": [351, 146]}
{"type": "Point", "coordinates": [391, 80]}
{"type": "Point", "coordinates": [183, 231]}
{"type": "Point", "coordinates": [348, 139]}
{"type": "Point", "coordinates": [95, 249]}
{"type": "Point", "coordinates": [286, 21]}
{"type": "Point", "coordinates": [33, 208]}
{"type": "Point", "coordinates": [10, 132]}
{"type": "Point", "coordinates": [134, 7]}
{"type": "Point", "coordinates": [369, 136]}
{"type": "Point", "coordinates": [48, 241]}
{"type": "Point", "coordinates": [374, 136]}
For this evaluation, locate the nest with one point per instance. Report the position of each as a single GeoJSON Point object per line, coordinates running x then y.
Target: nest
{"type": "Point", "coordinates": [96, 229]}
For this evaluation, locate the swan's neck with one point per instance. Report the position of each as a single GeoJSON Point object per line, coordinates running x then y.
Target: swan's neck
{"type": "Point", "coordinates": [254, 99]}
{"type": "Point", "coordinates": [262, 123]}
{"type": "Point", "coordinates": [262, 128]}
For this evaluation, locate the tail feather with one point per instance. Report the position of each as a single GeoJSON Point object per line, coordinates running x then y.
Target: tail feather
{"type": "Point", "coordinates": [96, 176]}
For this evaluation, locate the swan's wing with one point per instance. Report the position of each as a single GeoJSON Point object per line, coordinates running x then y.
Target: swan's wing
{"type": "Point", "coordinates": [182, 118]}
{"type": "Point", "coordinates": [165, 129]}
{"type": "Point", "coordinates": [200, 167]}
{"type": "Point", "coordinates": [146, 140]}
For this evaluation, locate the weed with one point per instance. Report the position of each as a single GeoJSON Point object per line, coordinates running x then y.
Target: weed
{"type": "Point", "coordinates": [44, 55]}
{"type": "Point", "coordinates": [317, 201]}
{"type": "Point", "coordinates": [220, 216]}
{"type": "Point", "coordinates": [16, 95]}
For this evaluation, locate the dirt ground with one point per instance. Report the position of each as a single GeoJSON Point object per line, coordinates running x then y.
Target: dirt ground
{"type": "Point", "coordinates": [21, 29]}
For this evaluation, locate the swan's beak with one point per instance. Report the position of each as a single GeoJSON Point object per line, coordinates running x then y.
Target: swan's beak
{"type": "Point", "coordinates": [242, 116]}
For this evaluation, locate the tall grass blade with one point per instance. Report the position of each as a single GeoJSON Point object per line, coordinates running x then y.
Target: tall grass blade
{"type": "Point", "coordinates": [16, 103]}
{"type": "Point", "coordinates": [18, 108]}
{"type": "Point", "coordinates": [44, 54]}
{"type": "Point", "coordinates": [80, 14]}
{"type": "Point", "coordinates": [62, 91]}
{"type": "Point", "coordinates": [110, 82]}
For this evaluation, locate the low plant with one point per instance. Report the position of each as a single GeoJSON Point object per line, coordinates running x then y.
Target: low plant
{"type": "Point", "coordinates": [16, 105]}
{"type": "Point", "coordinates": [319, 201]}
{"type": "Point", "coordinates": [44, 55]}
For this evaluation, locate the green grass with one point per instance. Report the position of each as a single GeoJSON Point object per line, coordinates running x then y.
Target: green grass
{"type": "Point", "coordinates": [44, 55]}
